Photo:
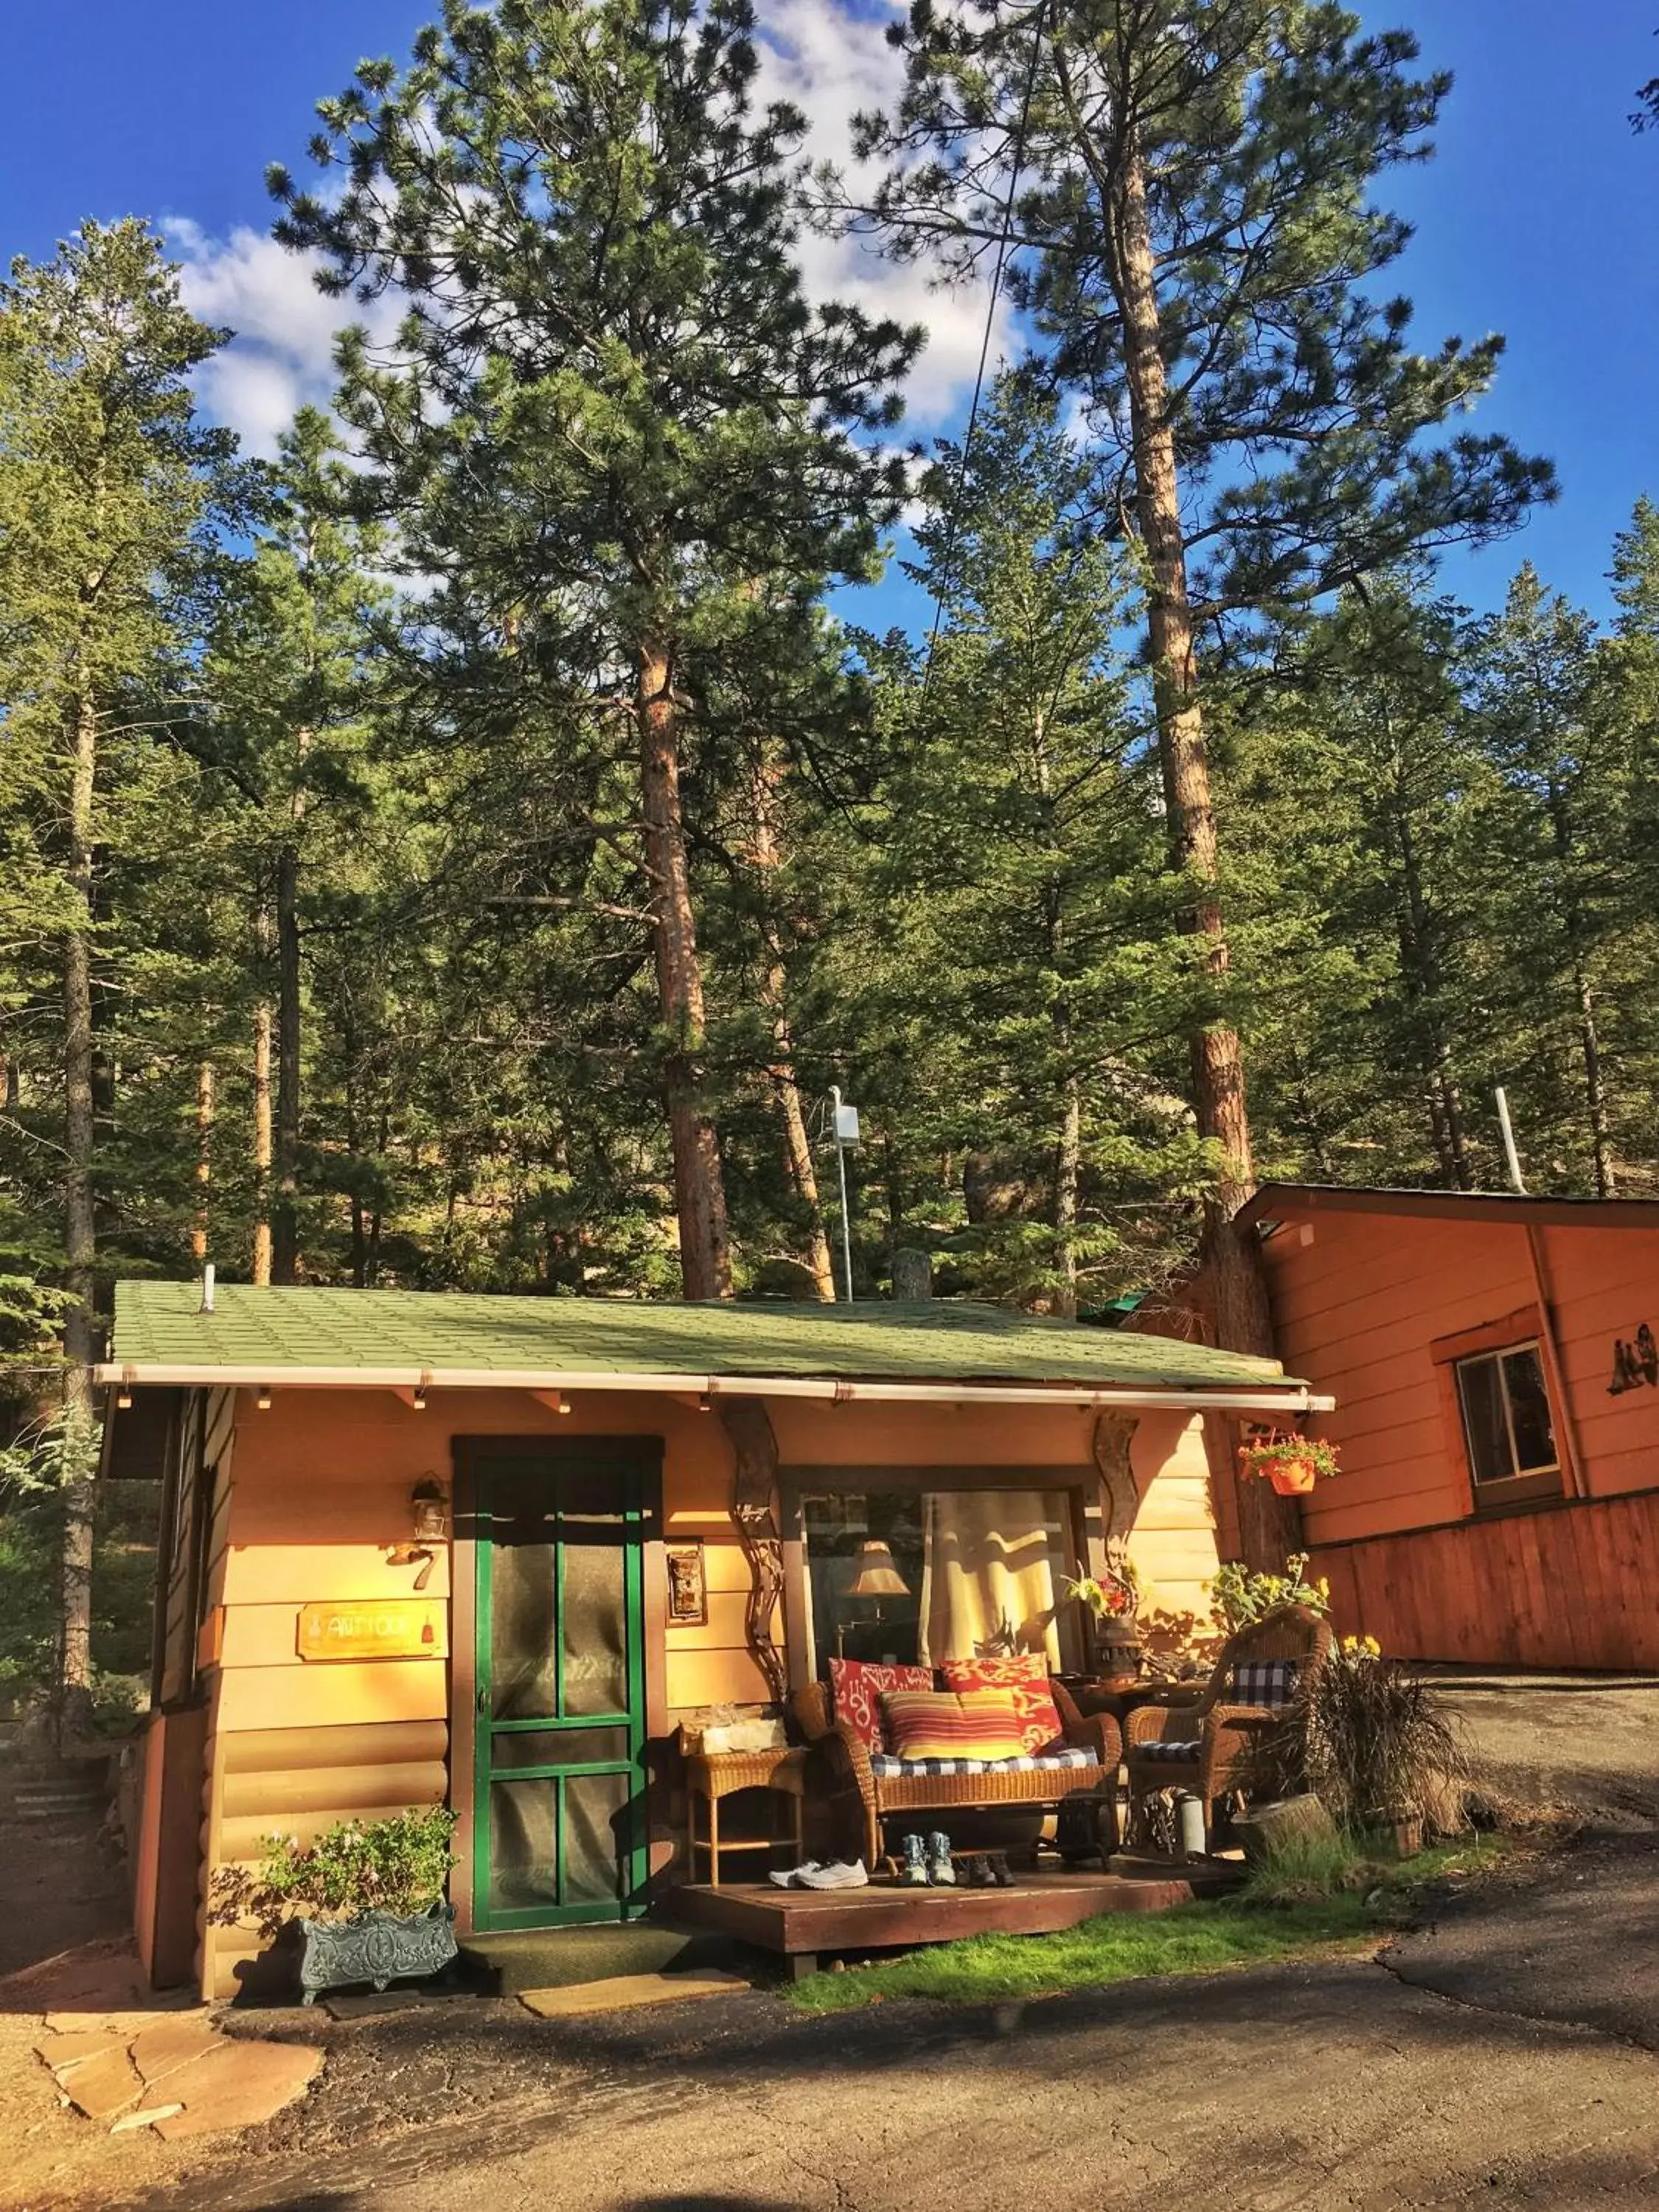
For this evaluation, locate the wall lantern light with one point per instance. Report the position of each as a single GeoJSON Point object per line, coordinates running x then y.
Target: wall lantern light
{"type": "Point", "coordinates": [262, 1399]}
{"type": "Point", "coordinates": [431, 1512]}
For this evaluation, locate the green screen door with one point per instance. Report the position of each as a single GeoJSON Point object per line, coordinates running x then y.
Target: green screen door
{"type": "Point", "coordinates": [560, 1690]}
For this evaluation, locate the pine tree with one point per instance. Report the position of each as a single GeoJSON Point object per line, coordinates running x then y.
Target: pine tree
{"type": "Point", "coordinates": [1193, 193]}
{"type": "Point", "coordinates": [609, 409]}
{"type": "Point", "coordinates": [1535, 684]}
{"type": "Point", "coordinates": [108, 489]}
{"type": "Point", "coordinates": [1017, 974]}
{"type": "Point", "coordinates": [290, 689]}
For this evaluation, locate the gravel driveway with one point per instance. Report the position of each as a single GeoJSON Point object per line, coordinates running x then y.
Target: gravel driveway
{"type": "Point", "coordinates": [1503, 2058]}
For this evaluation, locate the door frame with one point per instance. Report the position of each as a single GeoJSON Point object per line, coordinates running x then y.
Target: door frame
{"type": "Point", "coordinates": [471, 1455]}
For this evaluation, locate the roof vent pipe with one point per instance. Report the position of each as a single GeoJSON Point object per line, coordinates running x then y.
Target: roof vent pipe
{"type": "Point", "coordinates": [206, 1305]}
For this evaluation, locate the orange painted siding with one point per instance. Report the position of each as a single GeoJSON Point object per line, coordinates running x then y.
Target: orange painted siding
{"type": "Point", "coordinates": [1358, 1299]}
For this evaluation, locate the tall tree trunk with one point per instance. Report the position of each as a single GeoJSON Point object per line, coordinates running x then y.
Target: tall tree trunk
{"type": "Point", "coordinates": [1595, 1094]}
{"type": "Point", "coordinates": [285, 1225]}
{"type": "Point", "coordinates": [1269, 1525]}
{"type": "Point", "coordinates": [198, 1235]}
{"type": "Point", "coordinates": [1067, 1163]}
{"type": "Point", "coordinates": [264, 949]}
{"type": "Point", "coordinates": [797, 1151]}
{"type": "Point", "coordinates": [699, 1186]}
{"type": "Point", "coordinates": [80, 1234]}
{"type": "Point", "coordinates": [1068, 1147]}
{"type": "Point", "coordinates": [1421, 972]}
{"type": "Point", "coordinates": [1589, 1043]}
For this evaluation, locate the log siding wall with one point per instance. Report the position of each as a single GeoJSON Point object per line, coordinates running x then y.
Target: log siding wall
{"type": "Point", "coordinates": [320, 1494]}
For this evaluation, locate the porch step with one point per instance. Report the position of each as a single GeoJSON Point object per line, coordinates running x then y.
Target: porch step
{"type": "Point", "coordinates": [565, 1957]}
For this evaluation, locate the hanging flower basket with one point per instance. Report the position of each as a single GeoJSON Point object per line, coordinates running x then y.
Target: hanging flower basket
{"type": "Point", "coordinates": [1292, 1464]}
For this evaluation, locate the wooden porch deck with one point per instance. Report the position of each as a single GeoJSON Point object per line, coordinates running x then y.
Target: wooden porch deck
{"type": "Point", "coordinates": [802, 1923]}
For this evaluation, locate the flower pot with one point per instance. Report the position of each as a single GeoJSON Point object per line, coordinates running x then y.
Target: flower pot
{"type": "Point", "coordinates": [374, 1946]}
{"type": "Point", "coordinates": [1292, 1478]}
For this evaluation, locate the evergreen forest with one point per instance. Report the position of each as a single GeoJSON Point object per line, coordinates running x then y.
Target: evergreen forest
{"type": "Point", "coordinates": [466, 851]}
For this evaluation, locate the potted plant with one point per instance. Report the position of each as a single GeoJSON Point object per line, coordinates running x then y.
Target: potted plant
{"type": "Point", "coordinates": [1243, 1595]}
{"type": "Point", "coordinates": [367, 1898]}
{"type": "Point", "coordinates": [1292, 1464]}
{"type": "Point", "coordinates": [1113, 1600]}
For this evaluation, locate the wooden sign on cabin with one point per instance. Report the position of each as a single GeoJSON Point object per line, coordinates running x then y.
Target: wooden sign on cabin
{"type": "Point", "coordinates": [382, 1628]}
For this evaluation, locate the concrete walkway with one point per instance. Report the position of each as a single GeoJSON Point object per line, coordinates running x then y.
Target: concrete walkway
{"type": "Point", "coordinates": [1499, 2058]}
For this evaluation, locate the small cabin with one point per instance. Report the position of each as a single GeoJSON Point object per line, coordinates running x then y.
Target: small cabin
{"type": "Point", "coordinates": [425, 1548]}
{"type": "Point", "coordinates": [1495, 1372]}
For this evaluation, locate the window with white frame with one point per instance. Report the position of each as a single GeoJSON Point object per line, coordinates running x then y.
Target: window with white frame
{"type": "Point", "coordinates": [1508, 1425]}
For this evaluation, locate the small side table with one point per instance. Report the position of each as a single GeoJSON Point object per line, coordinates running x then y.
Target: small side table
{"type": "Point", "coordinates": [712, 1775]}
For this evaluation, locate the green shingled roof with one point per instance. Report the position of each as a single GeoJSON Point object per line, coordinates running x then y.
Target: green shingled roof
{"type": "Point", "coordinates": [159, 1324]}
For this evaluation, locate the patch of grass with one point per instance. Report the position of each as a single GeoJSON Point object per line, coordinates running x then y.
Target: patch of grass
{"type": "Point", "coordinates": [1249, 1928]}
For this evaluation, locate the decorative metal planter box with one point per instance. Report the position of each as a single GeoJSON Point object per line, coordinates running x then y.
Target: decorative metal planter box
{"type": "Point", "coordinates": [376, 1946]}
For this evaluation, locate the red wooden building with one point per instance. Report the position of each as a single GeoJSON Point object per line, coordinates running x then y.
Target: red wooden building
{"type": "Point", "coordinates": [1495, 1375]}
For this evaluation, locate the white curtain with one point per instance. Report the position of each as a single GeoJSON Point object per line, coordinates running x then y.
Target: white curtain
{"type": "Point", "coordinates": [992, 1559]}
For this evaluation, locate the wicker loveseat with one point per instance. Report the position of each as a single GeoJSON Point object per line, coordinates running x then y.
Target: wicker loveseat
{"type": "Point", "coordinates": [1191, 1738]}
{"type": "Point", "coordinates": [1083, 1768]}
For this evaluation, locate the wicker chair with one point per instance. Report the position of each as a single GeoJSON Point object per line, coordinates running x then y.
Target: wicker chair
{"type": "Point", "coordinates": [1094, 1784]}
{"type": "Point", "coordinates": [1191, 1738]}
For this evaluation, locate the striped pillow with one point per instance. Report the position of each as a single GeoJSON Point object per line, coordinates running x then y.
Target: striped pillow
{"type": "Point", "coordinates": [940, 1724]}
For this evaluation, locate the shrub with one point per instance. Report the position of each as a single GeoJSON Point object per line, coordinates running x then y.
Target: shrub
{"type": "Point", "coordinates": [395, 1865]}
{"type": "Point", "coordinates": [1372, 1742]}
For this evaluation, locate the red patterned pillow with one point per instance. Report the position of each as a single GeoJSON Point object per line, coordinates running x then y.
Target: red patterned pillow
{"type": "Point", "coordinates": [858, 1689]}
{"type": "Point", "coordinates": [1025, 1677]}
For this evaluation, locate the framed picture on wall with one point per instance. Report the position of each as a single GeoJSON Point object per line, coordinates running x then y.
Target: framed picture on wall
{"type": "Point", "coordinates": [687, 1584]}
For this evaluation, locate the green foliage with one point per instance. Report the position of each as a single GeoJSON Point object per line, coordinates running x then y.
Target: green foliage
{"type": "Point", "coordinates": [1301, 1871]}
{"type": "Point", "coordinates": [397, 1865]}
{"type": "Point", "coordinates": [1242, 1595]}
{"type": "Point", "coordinates": [1307, 425]}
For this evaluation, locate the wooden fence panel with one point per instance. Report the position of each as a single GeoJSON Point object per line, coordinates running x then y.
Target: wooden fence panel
{"type": "Point", "coordinates": [1577, 1586]}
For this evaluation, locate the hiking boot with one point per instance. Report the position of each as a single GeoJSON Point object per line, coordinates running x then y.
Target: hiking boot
{"type": "Point", "coordinates": [915, 1873]}
{"type": "Point", "coordinates": [940, 1872]}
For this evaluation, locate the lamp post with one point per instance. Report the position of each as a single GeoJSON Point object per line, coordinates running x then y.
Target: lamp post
{"type": "Point", "coordinates": [846, 1132]}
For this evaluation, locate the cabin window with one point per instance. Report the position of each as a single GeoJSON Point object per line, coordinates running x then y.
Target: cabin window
{"type": "Point", "coordinates": [1508, 1428]}
{"type": "Point", "coordinates": [915, 1576]}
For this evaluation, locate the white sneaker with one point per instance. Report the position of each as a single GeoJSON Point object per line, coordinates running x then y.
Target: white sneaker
{"type": "Point", "coordinates": [838, 1874]}
{"type": "Point", "coordinates": [795, 1876]}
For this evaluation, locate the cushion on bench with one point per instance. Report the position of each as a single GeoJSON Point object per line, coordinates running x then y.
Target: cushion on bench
{"type": "Point", "coordinates": [1025, 1676]}
{"type": "Point", "coordinates": [938, 1725]}
{"type": "Point", "coordinates": [1167, 1750]}
{"type": "Point", "coordinates": [888, 1768]}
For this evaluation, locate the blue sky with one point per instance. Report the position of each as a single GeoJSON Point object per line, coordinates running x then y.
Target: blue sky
{"type": "Point", "coordinates": [1536, 219]}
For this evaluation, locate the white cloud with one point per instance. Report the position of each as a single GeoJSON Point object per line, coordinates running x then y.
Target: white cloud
{"type": "Point", "coordinates": [832, 65]}
{"type": "Point", "coordinates": [280, 353]}
{"type": "Point", "coordinates": [828, 63]}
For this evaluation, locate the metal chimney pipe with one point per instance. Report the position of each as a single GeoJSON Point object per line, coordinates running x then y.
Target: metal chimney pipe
{"type": "Point", "coordinates": [206, 1305]}
{"type": "Point", "coordinates": [1510, 1152]}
